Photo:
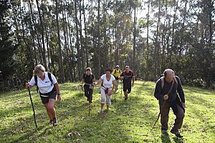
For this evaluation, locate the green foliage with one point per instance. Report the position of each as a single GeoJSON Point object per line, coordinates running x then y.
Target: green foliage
{"type": "Point", "coordinates": [168, 34]}
{"type": "Point", "coordinates": [127, 121]}
{"type": "Point", "coordinates": [7, 46]}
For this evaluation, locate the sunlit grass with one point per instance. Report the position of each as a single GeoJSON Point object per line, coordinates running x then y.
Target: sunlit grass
{"type": "Point", "coordinates": [128, 121]}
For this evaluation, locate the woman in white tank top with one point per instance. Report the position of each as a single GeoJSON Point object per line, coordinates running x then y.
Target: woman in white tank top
{"type": "Point", "coordinates": [107, 81]}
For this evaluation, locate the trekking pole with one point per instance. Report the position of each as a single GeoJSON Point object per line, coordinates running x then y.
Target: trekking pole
{"type": "Point", "coordinates": [89, 109]}
{"type": "Point", "coordinates": [159, 114]}
{"type": "Point", "coordinates": [32, 105]}
{"type": "Point", "coordinates": [121, 88]}
{"type": "Point", "coordinates": [156, 120]}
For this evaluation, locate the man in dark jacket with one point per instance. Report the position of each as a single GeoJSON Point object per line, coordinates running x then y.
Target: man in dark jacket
{"type": "Point", "coordinates": [170, 94]}
{"type": "Point", "coordinates": [127, 77]}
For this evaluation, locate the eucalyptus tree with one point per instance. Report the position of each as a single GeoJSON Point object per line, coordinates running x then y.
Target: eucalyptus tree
{"type": "Point", "coordinates": [7, 44]}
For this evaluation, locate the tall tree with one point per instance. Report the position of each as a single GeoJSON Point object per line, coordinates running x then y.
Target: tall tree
{"type": "Point", "coordinates": [42, 34]}
{"type": "Point", "coordinates": [61, 68]}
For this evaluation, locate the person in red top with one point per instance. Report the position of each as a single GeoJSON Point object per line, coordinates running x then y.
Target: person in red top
{"type": "Point", "coordinates": [127, 77]}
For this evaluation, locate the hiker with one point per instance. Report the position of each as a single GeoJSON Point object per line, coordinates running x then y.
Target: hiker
{"type": "Point", "coordinates": [170, 94]}
{"type": "Point", "coordinates": [128, 80]}
{"type": "Point", "coordinates": [116, 73]}
{"type": "Point", "coordinates": [108, 83]}
{"type": "Point", "coordinates": [88, 79]}
{"type": "Point", "coordinates": [48, 90]}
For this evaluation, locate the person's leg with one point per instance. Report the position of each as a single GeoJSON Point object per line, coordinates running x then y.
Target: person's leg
{"type": "Point", "coordinates": [49, 114]}
{"type": "Point", "coordinates": [126, 94]}
{"type": "Point", "coordinates": [90, 95]}
{"type": "Point", "coordinates": [125, 91]}
{"type": "Point", "coordinates": [103, 99]}
{"type": "Point", "coordinates": [52, 111]}
{"type": "Point", "coordinates": [86, 91]}
{"type": "Point", "coordinates": [164, 111]}
{"type": "Point", "coordinates": [128, 89]}
{"type": "Point", "coordinates": [108, 98]}
{"type": "Point", "coordinates": [179, 113]}
{"type": "Point", "coordinates": [117, 84]}
{"type": "Point", "coordinates": [45, 101]}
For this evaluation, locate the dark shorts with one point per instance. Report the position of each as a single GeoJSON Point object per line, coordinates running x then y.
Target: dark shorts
{"type": "Point", "coordinates": [45, 97]}
{"type": "Point", "coordinates": [127, 88]}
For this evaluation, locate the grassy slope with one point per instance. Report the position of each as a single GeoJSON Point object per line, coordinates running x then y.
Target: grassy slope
{"type": "Point", "coordinates": [128, 121]}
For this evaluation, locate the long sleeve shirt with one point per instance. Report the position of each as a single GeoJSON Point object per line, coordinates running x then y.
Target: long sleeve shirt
{"type": "Point", "coordinates": [177, 90]}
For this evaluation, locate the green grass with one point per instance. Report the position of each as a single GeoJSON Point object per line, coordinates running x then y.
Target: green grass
{"type": "Point", "coordinates": [128, 121]}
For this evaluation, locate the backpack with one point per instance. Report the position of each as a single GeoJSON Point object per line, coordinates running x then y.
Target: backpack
{"type": "Point", "coordinates": [35, 78]}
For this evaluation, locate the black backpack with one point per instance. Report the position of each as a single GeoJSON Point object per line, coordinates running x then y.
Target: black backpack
{"type": "Point", "coordinates": [35, 78]}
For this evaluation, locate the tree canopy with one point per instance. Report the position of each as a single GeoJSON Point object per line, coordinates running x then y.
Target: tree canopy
{"type": "Point", "coordinates": [149, 35]}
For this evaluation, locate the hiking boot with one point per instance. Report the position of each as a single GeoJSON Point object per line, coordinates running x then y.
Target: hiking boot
{"type": "Point", "coordinates": [106, 110]}
{"type": "Point", "coordinates": [54, 122]}
{"type": "Point", "coordinates": [176, 133]}
{"type": "Point", "coordinates": [100, 111]}
{"type": "Point", "coordinates": [51, 122]}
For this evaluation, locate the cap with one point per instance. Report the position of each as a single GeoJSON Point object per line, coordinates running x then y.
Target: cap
{"type": "Point", "coordinates": [88, 69]}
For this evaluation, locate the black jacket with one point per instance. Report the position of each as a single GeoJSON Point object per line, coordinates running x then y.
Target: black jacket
{"type": "Point", "coordinates": [176, 93]}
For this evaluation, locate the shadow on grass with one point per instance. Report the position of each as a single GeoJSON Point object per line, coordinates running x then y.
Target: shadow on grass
{"type": "Point", "coordinates": [22, 130]}
{"type": "Point", "coordinates": [123, 113]}
{"type": "Point", "coordinates": [165, 138]}
{"type": "Point", "coordinates": [178, 140]}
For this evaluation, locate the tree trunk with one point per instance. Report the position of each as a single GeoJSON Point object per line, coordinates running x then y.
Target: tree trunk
{"type": "Point", "coordinates": [81, 38]}
{"type": "Point", "coordinates": [99, 39]}
{"type": "Point", "coordinates": [157, 44]}
{"type": "Point", "coordinates": [134, 38]}
{"type": "Point", "coordinates": [42, 33]}
{"type": "Point", "coordinates": [61, 69]}
{"type": "Point", "coordinates": [77, 44]}
{"type": "Point", "coordinates": [85, 34]}
{"type": "Point", "coordinates": [32, 22]}
{"type": "Point", "coordinates": [147, 40]}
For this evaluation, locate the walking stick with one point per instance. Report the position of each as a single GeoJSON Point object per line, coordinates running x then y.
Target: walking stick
{"type": "Point", "coordinates": [121, 90]}
{"type": "Point", "coordinates": [32, 105]}
{"type": "Point", "coordinates": [159, 114]}
{"type": "Point", "coordinates": [89, 109]}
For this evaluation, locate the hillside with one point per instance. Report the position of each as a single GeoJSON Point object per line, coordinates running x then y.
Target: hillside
{"type": "Point", "coordinates": [128, 121]}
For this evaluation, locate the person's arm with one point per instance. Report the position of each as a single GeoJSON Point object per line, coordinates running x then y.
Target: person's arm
{"type": "Point", "coordinates": [31, 83]}
{"type": "Point", "coordinates": [133, 79]}
{"type": "Point", "coordinates": [121, 76]}
{"type": "Point", "coordinates": [57, 88]}
{"type": "Point", "coordinates": [114, 82]}
{"type": "Point", "coordinates": [98, 82]}
{"type": "Point", "coordinates": [180, 90]}
{"type": "Point", "coordinates": [82, 81]}
{"type": "Point", "coordinates": [113, 72]}
{"type": "Point", "coordinates": [158, 92]}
